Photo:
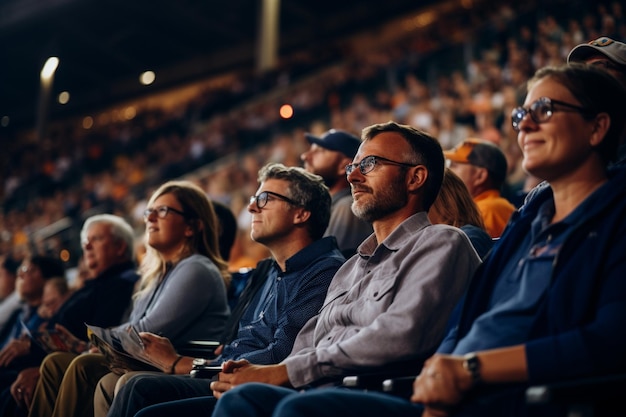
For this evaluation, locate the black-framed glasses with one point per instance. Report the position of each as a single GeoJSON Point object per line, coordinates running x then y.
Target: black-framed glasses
{"type": "Point", "coordinates": [263, 197]}
{"type": "Point", "coordinates": [542, 110]}
{"type": "Point", "coordinates": [161, 212]}
{"type": "Point", "coordinates": [367, 164]}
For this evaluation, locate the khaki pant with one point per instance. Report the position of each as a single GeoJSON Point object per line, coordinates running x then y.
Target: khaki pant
{"type": "Point", "coordinates": [107, 388]}
{"type": "Point", "coordinates": [66, 385]}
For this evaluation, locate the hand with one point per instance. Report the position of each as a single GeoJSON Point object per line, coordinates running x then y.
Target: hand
{"type": "Point", "coordinates": [75, 344]}
{"type": "Point", "coordinates": [14, 349]}
{"type": "Point", "coordinates": [238, 372]}
{"type": "Point", "coordinates": [218, 350]}
{"type": "Point", "coordinates": [24, 386]}
{"type": "Point", "coordinates": [158, 350]}
{"type": "Point", "coordinates": [230, 367]}
{"type": "Point", "coordinates": [224, 382]}
{"type": "Point", "coordinates": [441, 385]}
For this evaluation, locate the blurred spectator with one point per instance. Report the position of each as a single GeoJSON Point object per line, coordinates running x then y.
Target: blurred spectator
{"type": "Point", "coordinates": [482, 167]}
{"type": "Point", "coordinates": [10, 299]}
{"type": "Point", "coordinates": [55, 292]}
{"type": "Point", "coordinates": [31, 277]}
{"type": "Point", "coordinates": [459, 76]}
{"type": "Point", "coordinates": [102, 300]}
{"type": "Point", "coordinates": [327, 157]}
{"type": "Point", "coordinates": [608, 54]}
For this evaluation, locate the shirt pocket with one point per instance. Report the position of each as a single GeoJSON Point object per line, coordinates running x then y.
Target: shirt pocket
{"type": "Point", "coordinates": [380, 288]}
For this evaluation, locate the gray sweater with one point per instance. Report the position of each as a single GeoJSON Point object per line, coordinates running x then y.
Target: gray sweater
{"type": "Point", "coordinates": [189, 304]}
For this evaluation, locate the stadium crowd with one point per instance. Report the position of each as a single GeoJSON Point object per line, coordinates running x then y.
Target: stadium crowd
{"type": "Point", "coordinates": [457, 80]}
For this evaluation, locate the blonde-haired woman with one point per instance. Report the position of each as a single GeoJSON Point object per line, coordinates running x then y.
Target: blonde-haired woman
{"type": "Point", "coordinates": [182, 296]}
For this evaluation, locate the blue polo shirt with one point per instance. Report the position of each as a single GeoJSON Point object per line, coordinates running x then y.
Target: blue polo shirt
{"type": "Point", "coordinates": [288, 299]}
{"type": "Point", "coordinates": [522, 283]}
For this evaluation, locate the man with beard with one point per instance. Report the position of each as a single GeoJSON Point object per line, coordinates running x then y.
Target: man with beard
{"type": "Point", "coordinates": [327, 157]}
{"type": "Point", "coordinates": [387, 306]}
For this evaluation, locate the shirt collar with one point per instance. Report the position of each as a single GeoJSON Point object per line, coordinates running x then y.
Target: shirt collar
{"type": "Point", "coordinates": [398, 238]}
{"type": "Point", "coordinates": [308, 254]}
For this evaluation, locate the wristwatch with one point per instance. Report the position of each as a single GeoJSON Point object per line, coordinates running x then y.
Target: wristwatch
{"type": "Point", "coordinates": [197, 362]}
{"type": "Point", "coordinates": [471, 364]}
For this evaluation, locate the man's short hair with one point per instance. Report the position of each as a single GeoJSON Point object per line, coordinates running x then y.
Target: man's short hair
{"type": "Point", "coordinates": [120, 230]}
{"type": "Point", "coordinates": [483, 154]}
{"type": "Point", "coordinates": [306, 189]}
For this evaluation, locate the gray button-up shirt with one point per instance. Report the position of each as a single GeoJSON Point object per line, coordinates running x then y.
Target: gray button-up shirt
{"type": "Point", "coordinates": [388, 303]}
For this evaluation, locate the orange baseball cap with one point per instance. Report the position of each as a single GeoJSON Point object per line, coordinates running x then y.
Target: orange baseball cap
{"type": "Point", "coordinates": [480, 153]}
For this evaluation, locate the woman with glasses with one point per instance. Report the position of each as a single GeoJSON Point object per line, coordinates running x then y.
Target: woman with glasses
{"type": "Point", "coordinates": [549, 302]}
{"type": "Point", "coordinates": [182, 296]}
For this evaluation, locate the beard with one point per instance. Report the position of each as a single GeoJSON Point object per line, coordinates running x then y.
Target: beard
{"type": "Point", "coordinates": [389, 200]}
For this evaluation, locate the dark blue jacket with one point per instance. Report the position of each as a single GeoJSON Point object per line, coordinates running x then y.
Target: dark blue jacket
{"type": "Point", "coordinates": [580, 326]}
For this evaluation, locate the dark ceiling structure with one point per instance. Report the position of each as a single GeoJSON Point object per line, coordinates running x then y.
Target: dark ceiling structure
{"type": "Point", "coordinates": [104, 45]}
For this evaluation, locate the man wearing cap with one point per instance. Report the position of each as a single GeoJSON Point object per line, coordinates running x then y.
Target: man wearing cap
{"type": "Point", "coordinates": [327, 157]}
{"type": "Point", "coordinates": [482, 167]}
{"type": "Point", "coordinates": [608, 54]}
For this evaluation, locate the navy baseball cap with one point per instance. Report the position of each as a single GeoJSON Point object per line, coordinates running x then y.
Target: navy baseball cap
{"type": "Point", "coordinates": [336, 140]}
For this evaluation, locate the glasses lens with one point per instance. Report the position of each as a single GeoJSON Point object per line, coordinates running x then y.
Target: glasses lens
{"type": "Point", "coordinates": [367, 164]}
{"type": "Point", "coordinates": [541, 110]}
{"type": "Point", "coordinates": [516, 117]}
{"type": "Point", "coordinates": [349, 169]}
{"type": "Point", "coordinates": [261, 200]}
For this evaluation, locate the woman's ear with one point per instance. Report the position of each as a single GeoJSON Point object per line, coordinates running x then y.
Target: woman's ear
{"type": "Point", "coordinates": [601, 125]}
{"type": "Point", "coordinates": [193, 227]}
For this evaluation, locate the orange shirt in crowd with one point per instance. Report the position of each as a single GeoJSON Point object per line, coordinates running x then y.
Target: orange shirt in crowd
{"type": "Point", "coordinates": [496, 211]}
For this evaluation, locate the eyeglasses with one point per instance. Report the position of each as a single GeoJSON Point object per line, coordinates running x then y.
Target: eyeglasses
{"type": "Point", "coordinates": [541, 111]}
{"type": "Point", "coordinates": [367, 164]}
{"type": "Point", "coordinates": [263, 197]}
{"type": "Point", "coordinates": [161, 212]}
